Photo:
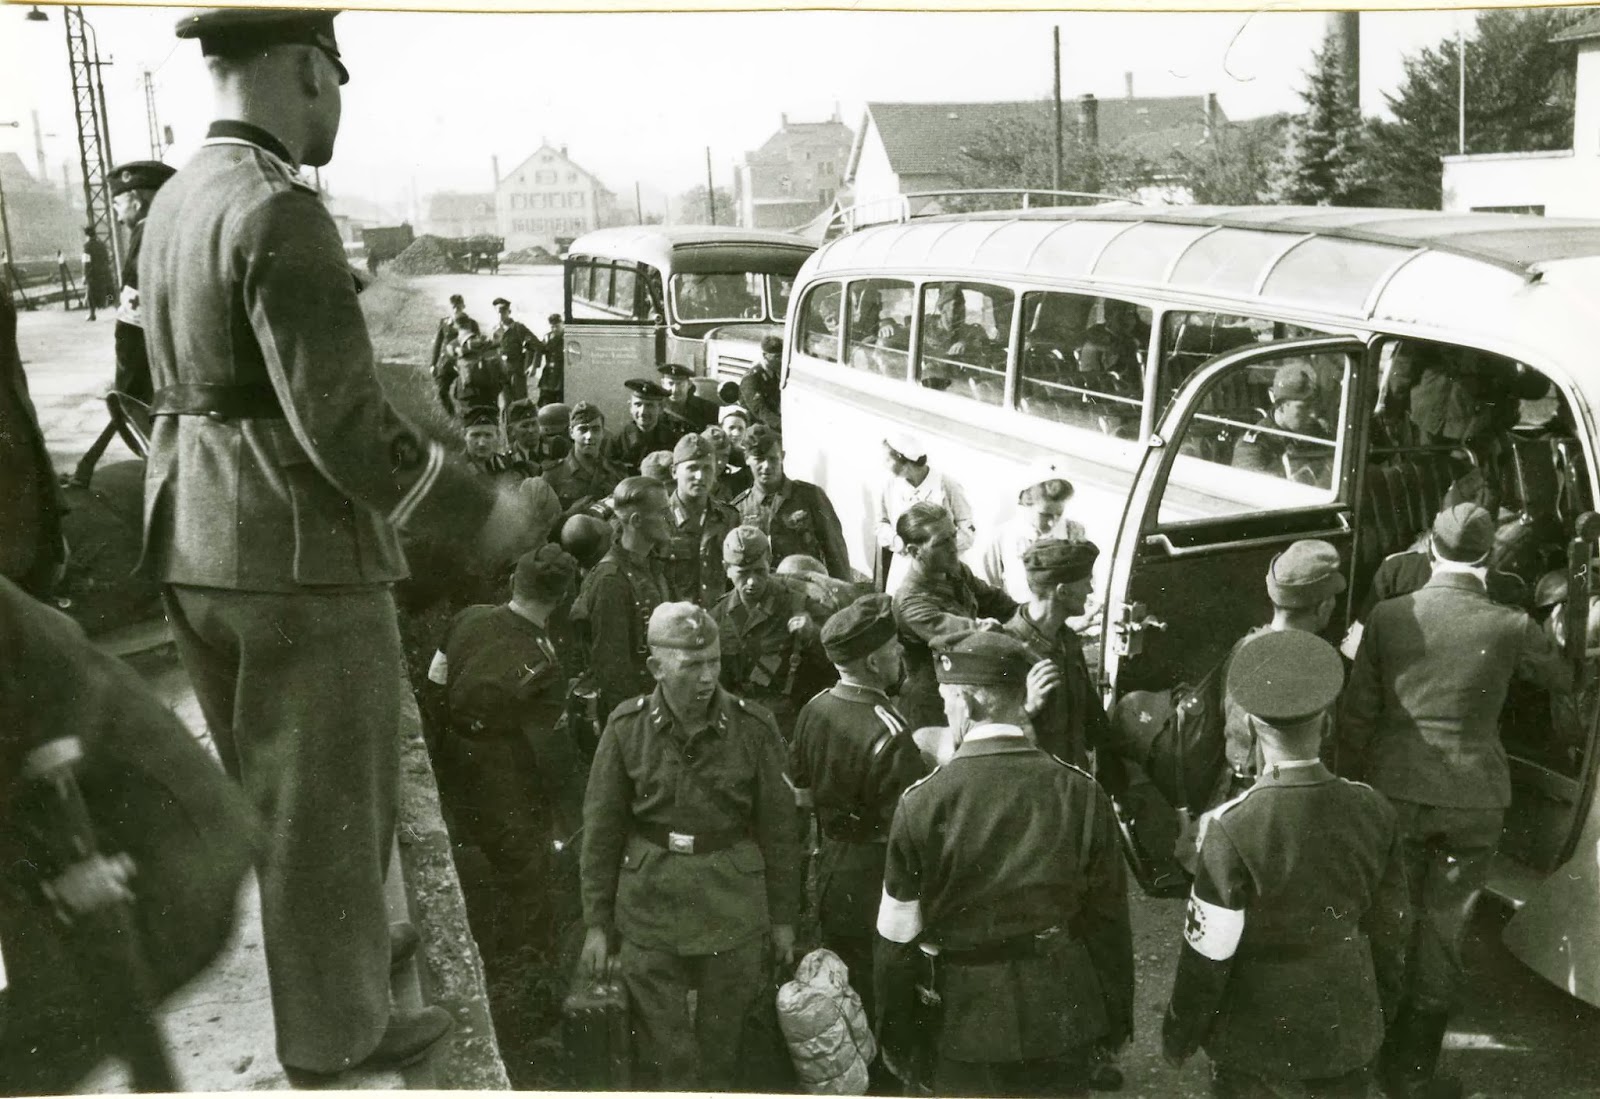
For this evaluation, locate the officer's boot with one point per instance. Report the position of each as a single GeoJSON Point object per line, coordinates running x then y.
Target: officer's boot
{"type": "Point", "coordinates": [1409, 1060]}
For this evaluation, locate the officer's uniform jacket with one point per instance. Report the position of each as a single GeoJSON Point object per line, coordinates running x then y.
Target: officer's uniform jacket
{"type": "Point", "coordinates": [247, 293]}
{"type": "Point", "coordinates": [1006, 844]}
{"type": "Point", "coordinates": [927, 606]}
{"type": "Point", "coordinates": [628, 447]}
{"type": "Point", "coordinates": [519, 350]}
{"type": "Point", "coordinates": [851, 757]}
{"type": "Point", "coordinates": [1420, 717]}
{"type": "Point", "coordinates": [133, 362]}
{"type": "Point", "coordinates": [1406, 572]}
{"type": "Point", "coordinates": [502, 674]}
{"type": "Point", "coordinates": [576, 480]}
{"type": "Point", "coordinates": [797, 518]}
{"type": "Point", "coordinates": [694, 414]}
{"type": "Point", "coordinates": [760, 655]}
{"type": "Point", "coordinates": [612, 611]}
{"type": "Point", "coordinates": [692, 560]}
{"type": "Point", "coordinates": [649, 774]}
{"type": "Point", "coordinates": [1073, 719]}
{"type": "Point", "coordinates": [1296, 933]}
{"type": "Point", "coordinates": [1293, 460]}
{"type": "Point", "coordinates": [759, 392]}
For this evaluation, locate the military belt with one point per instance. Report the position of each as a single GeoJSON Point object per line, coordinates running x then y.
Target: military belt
{"type": "Point", "coordinates": [1030, 944]}
{"type": "Point", "coordinates": [852, 829]}
{"type": "Point", "coordinates": [217, 402]}
{"type": "Point", "coordinates": [684, 843]}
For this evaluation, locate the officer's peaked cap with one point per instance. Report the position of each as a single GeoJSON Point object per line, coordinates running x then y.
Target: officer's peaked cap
{"type": "Point", "coordinates": [1285, 677]}
{"type": "Point", "coordinates": [675, 370]}
{"type": "Point", "coordinates": [480, 417]}
{"type": "Point", "coordinates": [646, 389]}
{"type": "Point", "coordinates": [983, 658]}
{"type": "Point", "coordinates": [745, 547]}
{"type": "Point", "coordinates": [1304, 574]}
{"type": "Point", "coordinates": [499, 302]}
{"type": "Point", "coordinates": [681, 626]}
{"type": "Point", "coordinates": [140, 175]}
{"type": "Point", "coordinates": [860, 629]}
{"type": "Point", "coordinates": [234, 32]}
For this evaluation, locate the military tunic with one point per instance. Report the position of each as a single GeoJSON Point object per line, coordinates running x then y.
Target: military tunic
{"type": "Point", "coordinates": [1073, 720]}
{"type": "Point", "coordinates": [798, 518]}
{"type": "Point", "coordinates": [628, 447]}
{"type": "Point", "coordinates": [519, 350]}
{"type": "Point", "coordinates": [762, 660]}
{"type": "Point", "coordinates": [759, 392]}
{"type": "Point", "coordinates": [692, 560]}
{"type": "Point", "coordinates": [927, 606]}
{"type": "Point", "coordinates": [133, 362]}
{"type": "Point", "coordinates": [694, 414]}
{"type": "Point", "coordinates": [613, 609]}
{"type": "Point", "coordinates": [577, 481]}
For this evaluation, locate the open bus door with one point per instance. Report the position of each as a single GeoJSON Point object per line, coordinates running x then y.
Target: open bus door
{"type": "Point", "coordinates": [1226, 483]}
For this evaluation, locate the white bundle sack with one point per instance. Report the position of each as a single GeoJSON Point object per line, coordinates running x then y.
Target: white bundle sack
{"type": "Point", "coordinates": [829, 1039]}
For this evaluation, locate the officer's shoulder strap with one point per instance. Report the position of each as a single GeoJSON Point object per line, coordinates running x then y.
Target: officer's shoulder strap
{"type": "Point", "coordinates": [1217, 812]}
{"type": "Point", "coordinates": [906, 793]}
{"type": "Point", "coordinates": [893, 726]}
{"type": "Point", "coordinates": [1070, 766]}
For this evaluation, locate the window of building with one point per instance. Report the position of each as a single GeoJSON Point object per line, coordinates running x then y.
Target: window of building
{"type": "Point", "coordinates": [966, 328]}
{"type": "Point", "coordinates": [877, 329]}
{"type": "Point", "coordinates": [819, 322]}
{"type": "Point", "coordinates": [545, 176]}
{"type": "Point", "coordinates": [572, 177]}
{"type": "Point", "coordinates": [1082, 361]}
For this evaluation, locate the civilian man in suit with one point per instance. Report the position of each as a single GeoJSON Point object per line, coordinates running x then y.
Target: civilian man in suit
{"type": "Point", "coordinates": [1420, 722]}
{"type": "Point", "coordinates": [277, 479]}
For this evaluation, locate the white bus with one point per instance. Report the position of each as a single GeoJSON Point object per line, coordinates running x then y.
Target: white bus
{"type": "Point", "coordinates": [1142, 347]}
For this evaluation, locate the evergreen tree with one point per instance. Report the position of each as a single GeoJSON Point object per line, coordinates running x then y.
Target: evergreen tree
{"type": "Point", "coordinates": [1325, 163]}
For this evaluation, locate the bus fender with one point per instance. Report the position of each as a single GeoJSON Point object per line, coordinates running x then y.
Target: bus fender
{"type": "Point", "coordinates": [1554, 933]}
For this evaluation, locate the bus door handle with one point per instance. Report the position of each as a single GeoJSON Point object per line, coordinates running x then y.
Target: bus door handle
{"type": "Point", "coordinates": [1132, 622]}
{"type": "Point", "coordinates": [1160, 541]}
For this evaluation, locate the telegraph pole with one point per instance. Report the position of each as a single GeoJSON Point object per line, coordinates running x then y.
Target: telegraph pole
{"type": "Point", "coordinates": [94, 154]}
{"type": "Point", "coordinates": [1056, 173]}
{"type": "Point", "coordinates": [156, 148]}
{"type": "Point", "coordinates": [1461, 89]}
{"type": "Point", "coordinates": [638, 203]}
{"type": "Point", "coordinates": [711, 192]}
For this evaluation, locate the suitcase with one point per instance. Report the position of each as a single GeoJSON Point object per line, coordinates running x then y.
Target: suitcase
{"type": "Point", "coordinates": [596, 1035]}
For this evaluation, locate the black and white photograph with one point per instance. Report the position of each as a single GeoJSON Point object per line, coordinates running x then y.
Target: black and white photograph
{"type": "Point", "coordinates": [810, 551]}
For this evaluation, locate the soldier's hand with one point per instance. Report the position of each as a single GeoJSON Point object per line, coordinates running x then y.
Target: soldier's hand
{"type": "Point", "coordinates": [595, 959]}
{"type": "Point", "coordinates": [783, 943]}
{"type": "Point", "coordinates": [1043, 678]}
{"type": "Point", "coordinates": [990, 624]}
{"type": "Point", "coordinates": [97, 882]}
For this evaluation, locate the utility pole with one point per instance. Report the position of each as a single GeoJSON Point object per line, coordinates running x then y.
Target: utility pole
{"type": "Point", "coordinates": [638, 203]}
{"type": "Point", "coordinates": [1055, 175]}
{"type": "Point", "coordinates": [711, 192]}
{"type": "Point", "coordinates": [156, 149]}
{"type": "Point", "coordinates": [1461, 89]}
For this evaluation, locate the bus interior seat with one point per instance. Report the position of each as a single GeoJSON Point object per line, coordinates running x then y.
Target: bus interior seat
{"type": "Point", "coordinates": [1535, 463]}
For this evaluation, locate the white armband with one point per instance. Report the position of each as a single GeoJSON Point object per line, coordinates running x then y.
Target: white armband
{"type": "Point", "coordinates": [439, 670]}
{"type": "Point", "coordinates": [1212, 930]}
{"type": "Point", "coordinates": [899, 921]}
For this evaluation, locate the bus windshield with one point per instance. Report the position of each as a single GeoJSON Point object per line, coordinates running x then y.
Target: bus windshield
{"type": "Point", "coordinates": [731, 296]}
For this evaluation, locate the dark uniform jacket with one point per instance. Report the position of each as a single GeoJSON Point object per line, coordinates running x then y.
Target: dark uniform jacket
{"type": "Point", "coordinates": [1073, 719]}
{"type": "Point", "coordinates": [1009, 856]}
{"type": "Point", "coordinates": [612, 612]}
{"type": "Point", "coordinates": [1295, 939]}
{"type": "Point", "coordinates": [692, 560]}
{"type": "Point", "coordinates": [247, 293]}
{"type": "Point", "coordinates": [927, 606]}
{"type": "Point", "coordinates": [851, 758]}
{"type": "Point", "coordinates": [31, 547]}
{"type": "Point", "coordinates": [650, 776]}
{"type": "Point", "coordinates": [133, 363]}
{"type": "Point", "coordinates": [1292, 459]}
{"type": "Point", "coordinates": [759, 392]}
{"type": "Point", "coordinates": [628, 447]}
{"type": "Point", "coordinates": [798, 518]}
{"type": "Point", "coordinates": [519, 350]}
{"type": "Point", "coordinates": [446, 334]}
{"type": "Point", "coordinates": [1420, 715]}
{"type": "Point", "coordinates": [1404, 573]}
{"type": "Point", "coordinates": [733, 479]}
{"type": "Point", "coordinates": [694, 414]}
{"type": "Point", "coordinates": [576, 481]}
{"type": "Point", "coordinates": [761, 659]}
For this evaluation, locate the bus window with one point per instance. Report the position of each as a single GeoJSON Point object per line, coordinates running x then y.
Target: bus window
{"type": "Point", "coordinates": [1082, 362]}
{"type": "Point", "coordinates": [624, 293]}
{"type": "Point", "coordinates": [779, 287]}
{"type": "Point", "coordinates": [580, 279]}
{"type": "Point", "coordinates": [966, 329]}
{"type": "Point", "coordinates": [735, 295]}
{"type": "Point", "coordinates": [877, 330]}
{"type": "Point", "coordinates": [1189, 340]}
{"type": "Point", "coordinates": [600, 285]}
{"type": "Point", "coordinates": [819, 322]}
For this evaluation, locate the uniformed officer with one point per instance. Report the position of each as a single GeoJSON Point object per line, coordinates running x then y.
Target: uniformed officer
{"type": "Point", "coordinates": [1072, 719]}
{"type": "Point", "coordinates": [1420, 721]}
{"type": "Point", "coordinates": [796, 515]}
{"type": "Point", "coordinates": [692, 558]}
{"type": "Point", "coordinates": [586, 474]}
{"type": "Point", "coordinates": [480, 436]}
{"type": "Point", "coordinates": [515, 769]}
{"type": "Point", "coordinates": [1003, 878]}
{"type": "Point", "coordinates": [618, 596]}
{"type": "Point", "coordinates": [851, 758]}
{"type": "Point", "coordinates": [278, 474]}
{"type": "Point", "coordinates": [759, 391]}
{"type": "Point", "coordinates": [940, 595]}
{"type": "Point", "coordinates": [1407, 571]}
{"type": "Point", "coordinates": [690, 858]}
{"type": "Point", "coordinates": [549, 377]}
{"type": "Point", "coordinates": [647, 430]}
{"type": "Point", "coordinates": [519, 351]}
{"type": "Point", "coordinates": [692, 412]}
{"type": "Point", "coordinates": [450, 330]}
{"type": "Point", "coordinates": [769, 643]}
{"type": "Point", "coordinates": [1295, 938]}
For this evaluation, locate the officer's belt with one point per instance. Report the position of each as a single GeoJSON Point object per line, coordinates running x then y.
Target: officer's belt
{"type": "Point", "coordinates": [217, 402]}
{"type": "Point", "coordinates": [1030, 944]}
{"type": "Point", "coordinates": [683, 843]}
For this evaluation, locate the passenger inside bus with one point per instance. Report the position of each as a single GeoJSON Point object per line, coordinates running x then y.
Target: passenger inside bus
{"type": "Point", "coordinates": [878, 339]}
{"type": "Point", "coordinates": [964, 338]}
{"type": "Point", "coordinates": [820, 325]}
{"type": "Point", "coordinates": [1291, 439]}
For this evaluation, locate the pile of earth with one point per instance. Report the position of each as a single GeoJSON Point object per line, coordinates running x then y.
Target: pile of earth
{"type": "Point", "coordinates": [426, 255]}
{"type": "Point", "coordinates": [532, 254]}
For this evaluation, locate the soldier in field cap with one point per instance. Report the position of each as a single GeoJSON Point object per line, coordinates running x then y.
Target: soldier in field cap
{"type": "Point", "coordinates": [695, 886]}
{"type": "Point", "coordinates": [1421, 723]}
{"type": "Point", "coordinates": [1003, 876]}
{"type": "Point", "coordinates": [1295, 942]}
{"type": "Point", "coordinates": [692, 559]}
{"type": "Point", "coordinates": [585, 474]}
{"type": "Point", "coordinates": [796, 515]}
{"type": "Point", "coordinates": [1404, 572]}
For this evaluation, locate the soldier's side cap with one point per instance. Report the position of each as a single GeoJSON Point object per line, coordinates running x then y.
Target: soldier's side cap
{"type": "Point", "coordinates": [226, 31]}
{"type": "Point", "coordinates": [907, 446]}
{"type": "Point", "coordinates": [675, 370]}
{"type": "Point", "coordinates": [681, 626]}
{"type": "Point", "coordinates": [1463, 533]}
{"type": "Point", "coordinates": [716, 437]}
{"type": "Point", "coordinates": [746, 546]}
{"type": "Point", "coordinates": [1304, 574]}
{"type": "Point", "coordinates": [480, 417]}
{"type": "Point", "coordinates": [982, 658]}
{"type": "Point", "coordinates": [761, 440]}
{"type": "Point", "coordinates": [499, 302]}
{"type": "Point", "coordinates": [657, 465]}
{"type": "Point", "coordinates": [522, 409]}
{"type": "Point", "coordinates": [860, 629]}
{"type": "Point", "coordinates": [556, 417]}
{"type": "Point", "coordinates": [693, 448]}
{"type": "Point", "coordinates": [733, 410]}
{"type": "Point", "coordinates": [1294, 382]}
{"type": "Point", "coordinates": [647, 389]}
{"type": "Point", "coordinates": [140, 175]}
{"type": "Point", "coordinates": [584, 413]}
{"type": "Point", "coordinates": [1058, 561]}
{"type": "Point", "coordinates": [1285, 677]}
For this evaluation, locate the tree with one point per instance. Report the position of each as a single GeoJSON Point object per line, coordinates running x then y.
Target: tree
{"type": "Point", "coordinates": [1020, 151]}
{"type": "Point", "coordinates": [1324, 163]}
{"type": "Point", "coordinates": [1234, 167]}
{"type": "Point", "coordinates": [1519, 99]}
{"type": "Point", "coordinates": [692, 209]}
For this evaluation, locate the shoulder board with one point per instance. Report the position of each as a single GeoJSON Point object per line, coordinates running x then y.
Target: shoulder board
{"type": "Point", "coordinates": [1070, 766]}
{"type": "Point", "coordinates": [1216, 813]}
{"type": "Point", "coordinates": [758, 711]}
{"type": "Point", "coordinates": [891, 721]}
{"type": "Point", "coordinates": [1403, 553]}
{"type": "Point", "coordinates": [1356, 782]}
{"type": "Point", "coordinates": [632, 706]}
{"type": "Point", "coordinates": [907, 791]}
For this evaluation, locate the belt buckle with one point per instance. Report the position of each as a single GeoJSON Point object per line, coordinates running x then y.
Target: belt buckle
{"type": "Point", "coordinates": [680, 843]}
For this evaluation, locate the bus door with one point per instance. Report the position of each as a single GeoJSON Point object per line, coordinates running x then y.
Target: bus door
{"type": "Point", "coordinates": [614, 331]}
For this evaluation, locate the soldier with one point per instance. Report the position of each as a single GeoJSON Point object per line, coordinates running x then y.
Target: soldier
{"type": "Point", "coordinates": [851, 758]}
{"type": "Point", "coordinates": [940, 595]}
{"type": "Point", "coordinates": [519, 351]}
{"type": "Point", "coordinates": [1295, 941]}
{"type": "Point", "coordinates": [690, 859]}
{"type": "Point", "coordinates": [648, 429]}
{"type": "Point", "coordinates": [796, 515]}
{"type": "Point", "coordinates": [277, 477]}
{"type": "Point", "coordinates": [732, 476]}
{"type": "Point", "coordinates": [692, 412]}
{"type": "Point", "coordinates": [450, 330]}
{"type": "Point", "coordinates": [657, 465]}
{"type": "Point", "coordinates": [769, 643]}
{"type": "Point", "coordinates": [586, 474]}
{"type": "Point", "coordinates": [1294, 394]}
{"type": "Point", "coordinates": [1420, 721]}
{"type": "Point", "coordinates": [548, 378]}
{"type": "Point", "coordinates": [692, 559]}
{"type": "Point", "coordinates": [1072, 720]}
{"type": "Point", "coordinates": [97, 281]}
{"type": "Point", "coordinates": [480, 436]}
{"type": "Point", "coordinates": [1409, 570]}
{"type": "Point", "coordinates": [759, 391]}
{"type": "Point", "coordinates": [522, 441]}
{"type": "Point", "coordinates": [616, 599]}
{"type": "Point", "coordinates": [504, 689]}
{"type": "Point", "coordinates": [1003, 877]}
{"type": "Point", "coordinates": [479, 379]}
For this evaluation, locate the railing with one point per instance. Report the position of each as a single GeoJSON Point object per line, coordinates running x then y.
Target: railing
{"type": "Point", "coordinates": [899, 208]}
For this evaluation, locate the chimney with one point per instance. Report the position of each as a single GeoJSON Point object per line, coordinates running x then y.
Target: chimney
{"type": "Point", "coordinates": [1342, 30]}
{"type": "Point", "coordinates": [783, 120]}
{"type": "Point", "coordinates": [494, 164]}
{"type": "Point", "coordinates": [1212, 115]}
{"type": "Point", "coordinates": [1127, 84]}
{"type": "Point", "coordinates": [563, 150]}
{"type": "Point", "coordinates": [38, 150]}
{"type": "Point", "coordinates": [1088, 119]}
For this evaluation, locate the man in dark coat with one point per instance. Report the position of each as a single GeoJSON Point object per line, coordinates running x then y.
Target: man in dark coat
{"type": "Point", "coordinates": [691, 412]}
{"type": "Point", "coordinates": [32, 551]}
{"type": "Point", "coordinates": [519, 351]}
{"type": "Point", "coordinates": [796, 515]}
{"type": "Point", "coordinates": [760, 391]}
{"type": "Point", "coordinates": [647, 430]}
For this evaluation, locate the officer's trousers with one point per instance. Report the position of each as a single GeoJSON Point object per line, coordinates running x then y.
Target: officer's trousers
{"type": "Point", "coordinates": [673, 1053]}
{"type": "Point", "coordinates": [1067, 1074]}
{"type": "Point", "coordinates": [1447, 856]}
{"type": "Point", "coordinates": [302, 695]}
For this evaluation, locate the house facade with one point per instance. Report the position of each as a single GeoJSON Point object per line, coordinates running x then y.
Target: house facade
{"type": "Point", "coordinates": [549, 197]}
{"type": "Point", "coordinates": [796, 174]}
{"type": "Point", "coordinates": [454, 214]}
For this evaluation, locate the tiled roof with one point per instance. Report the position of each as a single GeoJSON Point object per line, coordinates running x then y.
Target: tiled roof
{"type": "Point", "coordinates": [1588, 27]}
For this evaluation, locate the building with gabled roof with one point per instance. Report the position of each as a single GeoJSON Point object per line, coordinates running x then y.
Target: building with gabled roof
{"type": "Point", "coordinates": [40, 219]}
{"type": "Point", "coordinates": [796, 173]}
{"type": "Point", "coordinates": [549, 198]}
{"type": "Point", "coordinates": [457, 214]}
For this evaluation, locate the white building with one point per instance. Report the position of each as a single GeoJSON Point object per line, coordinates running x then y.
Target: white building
{"type": "Point", "coordinates": [1562, 183]}
{"type": "Point", "coordinates": [547, 197]}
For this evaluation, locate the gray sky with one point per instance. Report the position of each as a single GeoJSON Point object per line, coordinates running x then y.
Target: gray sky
{"type": "Point", "coordinates": [633, 96]}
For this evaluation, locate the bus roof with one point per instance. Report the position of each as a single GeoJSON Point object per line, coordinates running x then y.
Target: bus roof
{"type": "Point", "coordinates": [655, 244]}
{"type": "Point", "coordinates": [1335, 260]}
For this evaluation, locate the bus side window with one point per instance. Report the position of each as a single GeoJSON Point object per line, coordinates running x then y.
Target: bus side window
{"type": "Point", "coordinates": [1190, 340]}
{"type": "Point", "coordinates": [818, 335]}
{"type": "Point", "coordinates": [966, 328]}
{"type": "Point", "coordinates": [877, 332]}
{"type": "Point", "coordinates": [580, 280]}
{"type": "Point", "coordinates": [779, 287]}
{"type": "Point", "coordinates": [1082, 362]}
{"type": "Point", "coordinates": [624, 294]}
{"type": "Point", "coordinates": [600, 285]}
